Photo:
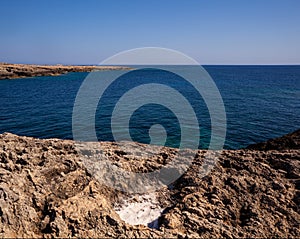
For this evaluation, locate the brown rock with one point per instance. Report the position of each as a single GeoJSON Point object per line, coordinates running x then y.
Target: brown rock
{"type": "Point", "coordinates": [45, 191]}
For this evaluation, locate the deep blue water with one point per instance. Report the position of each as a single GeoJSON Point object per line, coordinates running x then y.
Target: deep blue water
{"type": "Point", "coordinates": [261, 102]}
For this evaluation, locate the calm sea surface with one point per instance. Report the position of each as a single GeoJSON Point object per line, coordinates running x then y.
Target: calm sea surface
{"type": "Point", "coordinates": [261, 102]}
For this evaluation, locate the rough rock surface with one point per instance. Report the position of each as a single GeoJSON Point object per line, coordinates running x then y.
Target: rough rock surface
{"type": "Point", "coordinates": [45, 191]}
{"type": "Point", "coordinates": [11, 71]}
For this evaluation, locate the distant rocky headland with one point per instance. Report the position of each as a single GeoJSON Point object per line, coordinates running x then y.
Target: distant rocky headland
{"type": "Point", "coordinates": [46, 191]}
{"type": "Point", "coordinates": [12, 71]}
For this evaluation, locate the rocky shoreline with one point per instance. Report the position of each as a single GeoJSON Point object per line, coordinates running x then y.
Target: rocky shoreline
{"type": "Point", "coordinates": [46, 191]}
{"type": "Point", "coordinates": [13, 71]}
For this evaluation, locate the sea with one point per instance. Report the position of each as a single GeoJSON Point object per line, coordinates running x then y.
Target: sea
{"type": "Point", "coordinates": [260, 103]}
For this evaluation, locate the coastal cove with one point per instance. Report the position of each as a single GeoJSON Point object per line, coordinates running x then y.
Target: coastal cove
{"type": "Point", "coordinates": [150, 119]}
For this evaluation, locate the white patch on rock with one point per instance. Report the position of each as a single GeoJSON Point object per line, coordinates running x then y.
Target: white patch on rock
{"type": "Point", "coordinates": [140, 210]}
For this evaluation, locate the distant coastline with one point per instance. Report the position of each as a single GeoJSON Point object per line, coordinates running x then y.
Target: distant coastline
{"type": "Point", "coordinates": [13, 71]}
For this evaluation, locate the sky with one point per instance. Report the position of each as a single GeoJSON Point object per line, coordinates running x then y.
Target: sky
{"type": "Point", "coordinates": [210, 31]}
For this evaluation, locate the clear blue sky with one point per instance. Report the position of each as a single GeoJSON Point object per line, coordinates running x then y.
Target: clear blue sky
{"type": "Point", "coordinates": [211, 31]}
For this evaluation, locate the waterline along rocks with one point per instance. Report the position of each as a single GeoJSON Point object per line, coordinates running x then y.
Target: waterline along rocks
{"type": "Point", "coordinates": [45, 191]}
{"type": "Point", "coordinates": [12, 71]}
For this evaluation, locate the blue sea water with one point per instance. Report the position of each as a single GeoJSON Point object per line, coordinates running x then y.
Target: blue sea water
{"type": "Point", "coordinates": [261, 102]}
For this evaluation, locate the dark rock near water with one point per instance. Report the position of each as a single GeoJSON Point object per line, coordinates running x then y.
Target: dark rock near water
{"type": "Point", "coordinates": [289, 141]}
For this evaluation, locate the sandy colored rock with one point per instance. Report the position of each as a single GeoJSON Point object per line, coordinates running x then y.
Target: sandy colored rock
{"type": "Point", "coordinates": [45, 191]}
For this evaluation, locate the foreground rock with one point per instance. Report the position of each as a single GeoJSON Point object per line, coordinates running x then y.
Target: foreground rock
{"type": "Point", "coordinates": [12, 71]}
{"type": "Point", "coordinates": [45, 191]}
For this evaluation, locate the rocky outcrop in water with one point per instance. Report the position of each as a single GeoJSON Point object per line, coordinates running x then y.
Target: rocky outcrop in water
{"type": "Point", "coordinates": [46, 191]}
{"type": "Point", "coordinates": [289, 141]}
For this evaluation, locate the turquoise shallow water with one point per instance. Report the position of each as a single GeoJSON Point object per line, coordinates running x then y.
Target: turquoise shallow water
{"type": "Point", "coordinates": [261, 102]}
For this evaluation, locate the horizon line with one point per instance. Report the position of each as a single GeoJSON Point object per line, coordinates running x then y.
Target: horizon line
{"type": "Point", "coordinates": [205, 64]}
